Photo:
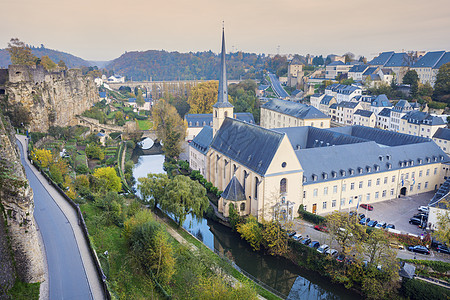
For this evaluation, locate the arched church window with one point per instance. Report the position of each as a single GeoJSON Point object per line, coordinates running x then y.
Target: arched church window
{"type": "Point", "coordinates": [242, 206]}
{"type": "Point", "coordinates": [283, 185]}
{"type": "Point", "coordinates": [256, 187]}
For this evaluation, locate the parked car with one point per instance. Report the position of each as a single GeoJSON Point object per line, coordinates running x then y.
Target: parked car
{"type": "Point", "coordinates": [321, 228]}
{"type": "Point", "coordinates": [423, 208]}
{"type": "Point", "coordinates": [442, 249]}
{"type": "Point", "coordinates": [392, 226]}
{"type": "Point", "coordinates": [421, 217]}
{"type": "Point", "coordinates": [419, 249]}
{"type": "Point", "coordinates": [364, 221]}
{"type": "Point", "coordinates": [367, 206]}
{"type": "Point", "coordinates": [372, 223]}
{"type": "Point", "coordinates": [415, 221]}
{"type": "Point", "coordinates": [340, 258]}
{"type": "Point", "coordinates": [314, 244]}
{"type": "Point", "coordinates": [361, 216]}
{"type": "Point", "coordinates": [352, 213]}
{"type": "Point", "coordinates": [291, 233]}
{"type": "Point", "coordinates": [380, 225]}
{"type": "Point", "coordinates": [396, 245]}
{"type": "Point", "coordinates": [297, 237]}
{"type": "Point", "coordinates": [323, 248]}
{"type": "Point", "coordinates": [332, 252]}
{"type": "Point", "coordinates": [306, 241]}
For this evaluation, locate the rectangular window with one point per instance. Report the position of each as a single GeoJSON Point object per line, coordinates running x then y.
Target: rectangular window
{"type": "Point", "coordinates": [315, 193]}
{"type": "Point", "coordinates": [344, 186]}
{"type": "Point", "coordinates": [385, 180]}
{"type": "Point", "coordinates": [369, 183]}
{"type": "Point", "coordinates": [384, 194]}
{"type": "Point", "coordinates": [435, 171]}
{"type": "Point", "coordinates": [413, 174]}
{"type": "Point", "coordinates": [324, 205]}
{"type": "Point", "coordinates": [418, 186]}
{"type": "Point", "coordinates": [406, 175]}
{"type": "Point", "coordinates": [420, 173]}
{"type": "Point", "coordinates": [428, 172]}
{"type": "Point", "coordinates": [360, 184]}
{"type": "Point", "coordinates": [368, 197]}
{"type": "Point", "coordinates": [378, 181]}
{"type": "Point", "coordinates": [335, 189]}
{"type": "Point", "coordinates": [352, 186]}
{"type": "Point", "coordinates": [426, 184]}
{"type": "Point", "coordinates": [393, 178]}
{"type": "Point", "coordinates": [392, 192]}
{"type": "Point", "coordinates": [333, 203]}
{"type": "Point", "coordinates": [411, 188]}
{"type": "Point", "coordinates": [342, 201]}
{"type": "Point", "coordinates": [325, 190]}
{"type": "Point", "coordinates": [377, 195]}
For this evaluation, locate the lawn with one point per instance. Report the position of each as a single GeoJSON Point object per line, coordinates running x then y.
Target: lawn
{"type": "Point", "coordinates": [144, 124]}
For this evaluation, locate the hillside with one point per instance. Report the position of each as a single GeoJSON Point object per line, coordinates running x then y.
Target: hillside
{"type": "Point", "coordinates": [55, 55]}
{"type": "Point", "coordinates": [163, 65]}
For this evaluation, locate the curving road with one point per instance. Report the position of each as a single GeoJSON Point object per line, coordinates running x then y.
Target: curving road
{"type": "Point", "coordinates": [67, 278]}
{"type": "Point", "coordinates": [276, 86]}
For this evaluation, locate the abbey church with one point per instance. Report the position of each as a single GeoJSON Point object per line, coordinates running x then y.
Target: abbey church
{"type": "Point", "coordinates": [267, 172]}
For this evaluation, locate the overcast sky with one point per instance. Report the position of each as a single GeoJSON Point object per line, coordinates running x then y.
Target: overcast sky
{"type": "Point", "coordinates": [103, 30]}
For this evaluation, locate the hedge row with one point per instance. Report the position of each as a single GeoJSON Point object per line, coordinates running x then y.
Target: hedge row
{"type": "Point", "coordinates": [415, 289]}
{"type": "Point", "coordinates": [310, 217]}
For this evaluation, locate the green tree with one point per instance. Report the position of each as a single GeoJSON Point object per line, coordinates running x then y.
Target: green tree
{"type": "Point", "coordinates": [153, 187]}
{"type": "Point", "coordinates": [251, 232]}
{"type": "Point", "coordinates": [202, 97]}
{"type": "Point", "coordinates": [94, 151]}
{"type": "Point", "coordinates": [62, 64]}
{"type": "Point", "coordinates": [412, 79]}
{"type": "Point", "coordinates": [275, 238]}
{"type": "Point", "coordinates": [113, 207]}
{"type": "Point", "coordinates": [139, 98]}
{"type": "Point", "coordinates": [425, 90]}
{"type": "Point", "coordinates": [118, 116]}
{"type": "Point", "coordinates": [111, 182]}
{"type": "Point", "coordinates": [442, 232]}
{"type": "Point", "coordinates": [318, 60]}
{"type": "Point", "coordinates": [150, 243]}
{"type": "Point", "coordinates": [20, 53]}
{"type": "Point", "coordinates": [184, 196]}
{"type": "Point", "coordinates": [169, 126]}
{"type": "Point", "coordinates": [442, 84]}
{"type": "Point", "coordinates": [244, 98]}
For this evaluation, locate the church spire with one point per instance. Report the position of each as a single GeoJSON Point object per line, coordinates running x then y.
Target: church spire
{"type": "Point", "coordinates": [222, 96]}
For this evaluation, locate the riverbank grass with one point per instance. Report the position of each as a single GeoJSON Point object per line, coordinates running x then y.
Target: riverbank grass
{"type": "Point", "coordinates": [24, 291]}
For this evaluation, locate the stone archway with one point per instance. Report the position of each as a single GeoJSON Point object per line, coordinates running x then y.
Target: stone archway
{"type": "Point", "coordinates": [403, 191]}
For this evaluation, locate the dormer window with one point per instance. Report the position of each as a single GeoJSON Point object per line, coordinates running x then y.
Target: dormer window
{"type": "Point", "coordinates": [388, 157]}
{"type": "Point", "coordinates": [411, 162]}
{"type": "Point", "coordinates": [351, 171]}
{"type": "Point", "coordinates": [377, 167]}
{"type": "Point", "coordinates": [342, 172]}
{"type": "Point", "coordinates": [406, 163]}
{"type": "Point", "coordinates": [389, 166]}
{"type": "Point", "coordinates": [442, 157]}
{"type": "Point", "coordinates": [304, 179]}
{"type": "Point", "coordinates": [324, 175]}
{"type": "Point", "coordinates": [380, 157]}
{"type": "Point", "coordinates": [419, 160]}
{"type": "Point", "coordinates": [333, 174]}
{"type": "Point", "coordinates": [434, 158]}
{"type": "Point", "coordinates": [360, 170]}
{"type": "Point", "coordinates": [368, 169]}
{"type": "Point", "coordinates": [401, 164]}
{"type": "Point", "coordinates": [314, 177]}
{"type": "Point", "coordinates": [428, 160]}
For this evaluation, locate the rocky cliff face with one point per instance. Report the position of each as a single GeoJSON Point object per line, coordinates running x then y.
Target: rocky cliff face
{"type": "Point", "coordinates": [17, 207]}
{"type": "Point", "coordinates": [52, 98]}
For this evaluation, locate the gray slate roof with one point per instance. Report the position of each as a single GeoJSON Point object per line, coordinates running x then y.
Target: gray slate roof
{"type": "Point", "coordinates": [203, 139]}
{"type": "Point", "coordinates": [342, 88]}
{"type": "Point", "coordinates": [381, 101]}
{"type": "Point", "coordinates": [381, 59]}
{"type": "Point", "coordinates": [358, 68]}
{"type": "Point", "coordinates": [234, 191]}
{"type": "Point", "coordinates": [445, 59]}
{"type": "Point", "coordinates": [326, 100]}
{"type": "Point", "coordinates": [248, 144]}
{"type": "Point", "coordinates": [297, 110]}
{"type": "Point", "coordinates": [442, 133]}
{"type": "Point", "coordinates": [348, 104]}
{"type": "Point", "coordinates": [397, 60]}
{"type": "Point", "coordinates": [200, 120]}
{"type": "Point", "coordinates": [370, 71]}
{"type": "Point", "coordinates": [364, 113]}
{"type": "Point", "coordinates": [337, 63]}
{"type": "Point", "coordinates": [402, 105]}
{"type": "Point", "coordinates": [333, 106]}
{"type": "Point", "coordinates": [419, 117]}
{"type": "Point", "coordinates": [385, 112]}
{"type": "Point", "coordinates": [429, 60]}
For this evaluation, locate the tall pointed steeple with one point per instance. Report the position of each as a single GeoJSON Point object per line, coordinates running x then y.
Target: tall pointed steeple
{"type": "Point", "coordinates": [222, 108]}
{"type": "Point", "coordinates": [222, 96]}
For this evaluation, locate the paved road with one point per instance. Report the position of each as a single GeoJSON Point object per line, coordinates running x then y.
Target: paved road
{"type": "Point", "coordinates": [67, 275]}
{"type": "Point", "coordinates": [276, 86]}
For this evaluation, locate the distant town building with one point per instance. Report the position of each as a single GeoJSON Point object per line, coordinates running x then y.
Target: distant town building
{"type": "Point", "coordinates": [428, 66]}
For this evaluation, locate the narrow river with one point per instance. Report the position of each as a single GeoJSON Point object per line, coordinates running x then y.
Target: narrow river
{"type": "Point", "coordinates": [278, 273]}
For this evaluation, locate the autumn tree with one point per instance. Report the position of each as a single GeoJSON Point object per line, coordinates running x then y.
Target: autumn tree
{"type": "Point", "coordinates": [169, 126]}
{"type": "Point", "coordinates": [184, 196]}
{"type": "Point", "coordinates": [47, 63]}
{"type": "Point", "coordinates": [110, 182]}
{"type": "Point", "coordinates": [275, 239]}
{"type": "Point", "coordinates": [202, 97]}
{"type": "Point", "coordinates": [251, 232]}
{"type": "Point", "coordinates": [62, 64]}
{"type": "Point", "coordinates": [346, 231]}
{"type": "Point", "coordinates": [43, 156]}
{"type": "Point", "coordinates": [442, 233]}
{"type": "Point", "coordinates": [20, 53]}
{"type": "Point", "coordinates": [152, 188]}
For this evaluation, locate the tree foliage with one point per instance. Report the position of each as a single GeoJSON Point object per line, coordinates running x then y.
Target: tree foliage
{"type": "Point", "coordinates": [275, 238]}
{"type": "Point", "coordinates": [244, 98]}
{"type": "Point", "coordinates": [139, 98]}
{"type": "Point", "coordinates": [442, 233]}
{"type": "Point", "coordinates": [346, 231]}
{"type": "Point", "coordinates": [412, 78]}
{"type": "Point", "coordinates": [184, 196]}
{"type": "Point", "coordinates": [43, 156]}
{"type": "Point", "coordinates": [20, 53]}
{"type": "Point", "coordinates": [108, 179]}
{"type": "Point", "coordinates": [153, 187]}
{"type": "Point", "coordinates": [94, 151]}
{"type": "Point", "coordinates": [169, 126]}
{"type": "Point", "coordinates": [251, 232]}
{"type": "Point", "coordinates": [202, 97]}
{"type": "Point", "coordinates": [442, 84]}
{"type": "Point", "coordinates": [48, 64]}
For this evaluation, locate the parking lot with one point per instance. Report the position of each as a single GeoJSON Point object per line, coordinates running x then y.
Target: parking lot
{"type": "Point", "coordinates": [399, 211]}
